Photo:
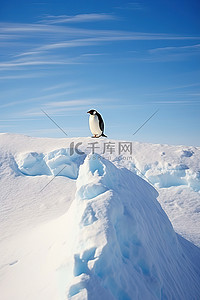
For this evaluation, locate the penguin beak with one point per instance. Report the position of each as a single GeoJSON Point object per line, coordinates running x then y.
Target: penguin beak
{"type": "Point", "coordinates": [88, 112]}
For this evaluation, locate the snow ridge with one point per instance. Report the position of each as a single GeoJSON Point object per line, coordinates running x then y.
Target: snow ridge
{"type": "Point", "coordinates": [124, 246]}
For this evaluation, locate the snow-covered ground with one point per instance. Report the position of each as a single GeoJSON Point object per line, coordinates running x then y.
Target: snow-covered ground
{"type": "Point", "coordinates": [96, 231]}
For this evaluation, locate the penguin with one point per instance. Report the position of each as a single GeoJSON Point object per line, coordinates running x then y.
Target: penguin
{"type": "Point", "coordinates": [96, 124]}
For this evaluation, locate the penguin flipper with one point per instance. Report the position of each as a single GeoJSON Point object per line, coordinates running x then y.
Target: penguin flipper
{"type": "Point", "coordinates": [101, 123]}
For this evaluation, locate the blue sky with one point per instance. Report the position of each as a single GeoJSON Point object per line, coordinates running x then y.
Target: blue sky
{"type": "Point", "coordinates": [125, 58]}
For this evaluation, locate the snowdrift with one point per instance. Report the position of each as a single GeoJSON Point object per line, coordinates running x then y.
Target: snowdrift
{"type": "Point", "coordinates": [96, 232]}
{"type": "Point", "coordinates": [125, 246]}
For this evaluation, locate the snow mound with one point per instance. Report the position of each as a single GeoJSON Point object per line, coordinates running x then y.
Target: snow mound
{"type": "Point", "coordinates": [124, 245]}
{"type": "Point", "coordinates": [166, 175]}
{"type": "Point", "coordinates": [97, 231]}
{"type": "Point", "coordinates": [170, 176]}
{"type": "Point", "coordinates": [52, 163]}
{"type": "Point", "coordinates": [175, 173]}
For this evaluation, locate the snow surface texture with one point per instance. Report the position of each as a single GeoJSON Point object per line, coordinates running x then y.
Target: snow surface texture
{"type": "Point", "coordinates": [96, 231]}
{"type": "Point", "coordinates": [53, 163]}
{"type": "Point", "coordinates": [175, 173]}
{"type": "Point", "coordinates": [124, 249]}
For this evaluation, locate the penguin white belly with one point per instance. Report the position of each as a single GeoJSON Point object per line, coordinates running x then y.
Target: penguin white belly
{"type": "Point", "coordinates": [94, 125]}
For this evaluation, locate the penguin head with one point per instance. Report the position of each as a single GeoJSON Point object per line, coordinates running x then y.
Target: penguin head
{"type": "Point", "coordinates": [92, 112]}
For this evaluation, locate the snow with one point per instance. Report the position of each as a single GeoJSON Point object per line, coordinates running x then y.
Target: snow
{"type": "Point", "coordinates": [52, 163]}
{"type": "Point", "coordinates": [175, 173]}
{"type": "Point", "coordinates": [97, 231]}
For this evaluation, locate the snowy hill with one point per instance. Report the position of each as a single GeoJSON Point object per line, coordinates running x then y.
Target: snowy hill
{"type": "Point", "coordinates": [96, 231]}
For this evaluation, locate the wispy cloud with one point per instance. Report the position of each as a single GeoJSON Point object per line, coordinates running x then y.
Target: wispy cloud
{"type": "Point", "coordinates": [195, 47]}
{"type": "Point", "coordinates": [93, 41]}
{"type": "Point", "coordinates": [57, 99]}
{"type": "Point", "coordinates": [70, 44]}
{"type": "Point", "coordinates": [59, 86]}
{"type": "Point", "coordinates": [194, 94]}
{"type": "Point", "coordinates": [10, 119]}
{"type": "Point", "coordinates": [63, 111]}
{"type": "Point", "coordinates": [37, 99]}
{"type": "Point", "coordinates": [177, 102]}
{"type": "Point", "coordinates": [78, 102]}
{"type": "Point", "coordinates": [70, 103]}
{"type": "Point", "coordinates": [37, 61]}
{"type": "Point", "coordinates": [5, 126]}
{"type": "Point", "coordinates": [78, 18]}
{"type": "Point", "coordinates": [68, 107]}
{"type": "Point", "coordinates": [37, 45]}
{"type": "Point", "coordinates": [24, 76]}
{"type": "Point", "coordinates": [28, 53]}
{"type": "Point", "coordinates": [93, 54]}
{"type": "Point", "coordinates": [20, 28]}
{"type": "Point", "coordinates": [186, 86]}
{"type": "Point", "coordinates": [8, 37]}
{"type": "Point", "coordinates": [165, 54]}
